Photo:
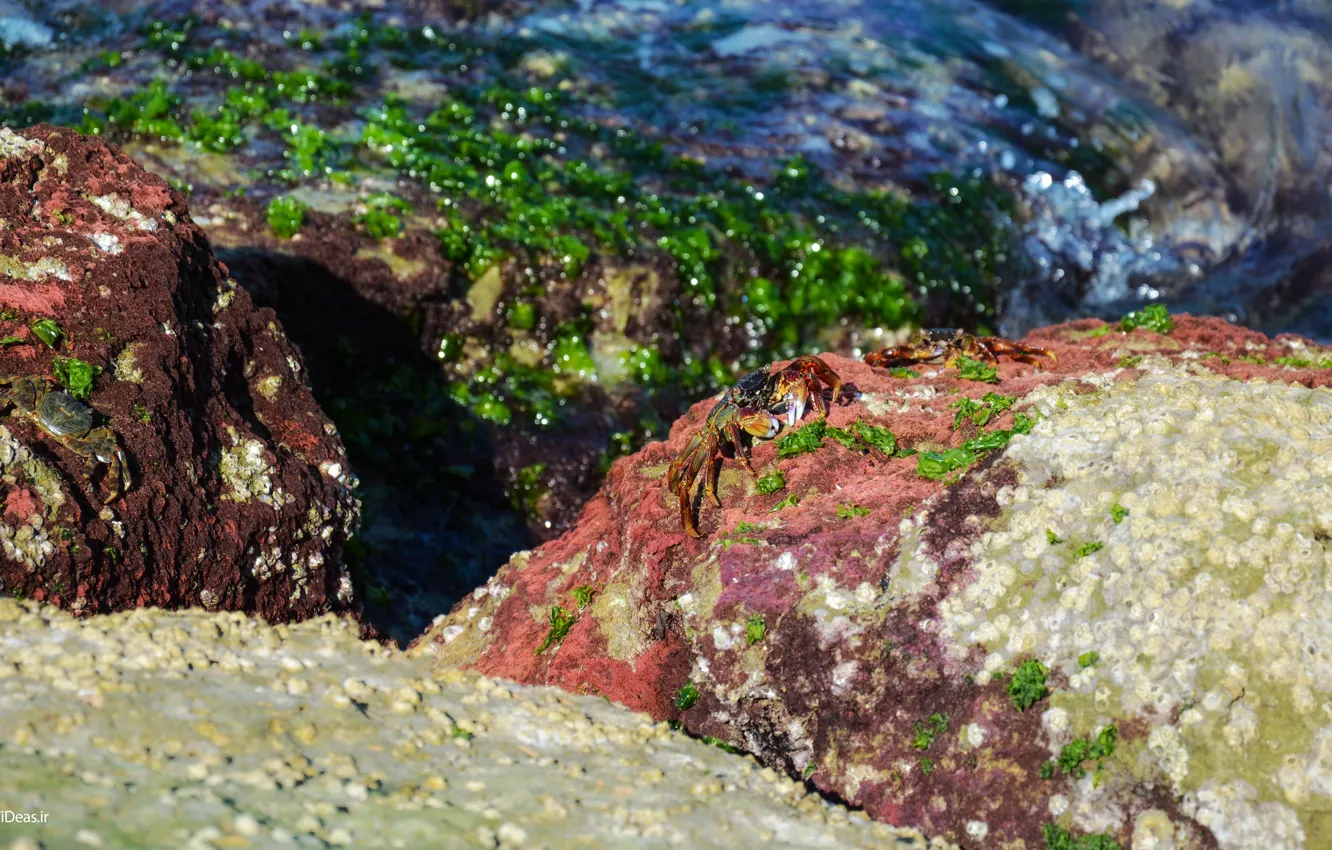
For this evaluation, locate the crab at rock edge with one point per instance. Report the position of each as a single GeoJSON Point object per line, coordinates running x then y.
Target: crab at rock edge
{"type": "Point", "coordinates": [70, 422]}
{"type": "Point", "coordinates": [952, 345]}
{"type": "Point", "coordinates": [747, 409]}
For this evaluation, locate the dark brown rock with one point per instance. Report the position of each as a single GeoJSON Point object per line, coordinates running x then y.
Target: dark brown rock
{"type": "Point", "coordinates": [238, 495]}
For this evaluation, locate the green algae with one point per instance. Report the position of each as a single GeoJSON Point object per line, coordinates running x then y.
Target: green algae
{"type": "Point", "coordinates": [1075, 753]}
{"type": "Point", "coordinates": [47, 331]}
{"type": "Point", "coordinates": [803, 440]}
{"type": "Point", "coordinates": [1091, 547]}
{"type": "Point", "coordinates": [860, 436]}
{"type": "Point", "coordinates": [582, 595]}
{"type": "Point", "coordinates": [380, 219]}
{"type": "Point", "coordinates": [560, 623]}
{"type": "Point", "coordinates": [687, 697]}
{"type": "Point", "coordinates": [939, 465]}
{"type": "Point", "coordinates": [771, 483]}
{"type": "Point", "coordinates": [925, 731]}
{"type": "Point", "coordinates": [1154, 317]}
{"type": "Point", "coordinates": [742, 533]}
{"type": "Point", "coordinates": [150, 112]}
{"type": "Point", "coordinates": [755, 629]}
{"type": "Point", "coordinates": [1057, 838]}
{"type": "Point", "coordinates": [521, 173]}
{"type": "Point", "coordinates": [529, 489]}
{"type": "Point", "coordinates": [1028, 687]}
{"type": "Point", "coordinates": [286, 216]}
{"type": "Point", "coordinates": [75, 376]}
{"type": "Point", "coordinates": [970, 369]}
{"type": "Point", "coordinates": [718, 743]}
{"type": "Point", "coordinates": [980, 412]}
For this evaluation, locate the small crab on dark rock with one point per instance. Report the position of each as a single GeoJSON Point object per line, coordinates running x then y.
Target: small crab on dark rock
{"type": "Point", "coordinates": [953, 344]}
{"type": "Point", "coordinates": [70, 422]}
{"type": "Point", "coordinates": [748, 408]}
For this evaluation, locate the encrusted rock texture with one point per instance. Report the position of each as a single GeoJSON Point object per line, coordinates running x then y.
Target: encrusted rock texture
{"type": "Point", "coordinates": [237, 495]}
{"type": "Point", "coordinates": [199, 730]}
{"type": "Point", "coordinates": [1158, 541]}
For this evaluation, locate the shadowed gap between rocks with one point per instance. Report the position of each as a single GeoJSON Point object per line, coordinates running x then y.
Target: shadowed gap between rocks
{"type": "Point", "coordinates": [435, 519]}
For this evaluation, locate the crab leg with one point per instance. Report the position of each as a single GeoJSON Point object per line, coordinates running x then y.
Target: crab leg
{"type": "Point", "coordinates": [682, 462]}
{"type": "Point", "coordinates": [686, 514]}
{"type": "Point", "coordinates": [1016, 350]}
{"type": "Point", "coordinates": [680, 477]}
{"type": "Point", "coordinates": [711, 469]}
{"type": "Point", "coordinates": [682, 488]}
{"type": "Point", "coordinates": [902, 354]}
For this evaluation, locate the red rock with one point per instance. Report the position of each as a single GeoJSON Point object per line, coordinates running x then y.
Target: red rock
{"type": "Point", "coordinates": [238, 494]}
{"type": "Point", "coordinates": [850, 668]}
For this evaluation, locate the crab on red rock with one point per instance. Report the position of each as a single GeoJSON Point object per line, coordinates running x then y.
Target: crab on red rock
{"type": "Point", "coordinates": [952, 344]}
{"type": "Point", "coordinates": [70, 422]}
{"type": "Point", "coordinates": [747, 409]}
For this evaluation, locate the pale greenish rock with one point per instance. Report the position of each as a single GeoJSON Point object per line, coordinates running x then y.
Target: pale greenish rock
{"type": "Point", "coordinates": [1209, 602]}
{"type": "Point", "coordinates": [125, 367]}
{"type": "Point", "coordinates": [269, 385]}
{"type": "Point", "coordinates": [244, 470]}
{"type": "Point", "coordinates": [26, 539]}
{"type": "Point", "coordinates": [119, 207]}
{"type": "Point", "coordinates": [13, 144]}
{"type": "Point", "coordinates": [200, 730]}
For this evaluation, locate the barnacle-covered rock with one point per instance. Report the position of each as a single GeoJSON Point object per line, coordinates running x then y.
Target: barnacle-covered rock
{"type": "Point", "coordinates": [216, 730]}
{"type": "Point", "coordinates": [1089, 601]}
{"type": "Point", "coordinates": [101, 265]}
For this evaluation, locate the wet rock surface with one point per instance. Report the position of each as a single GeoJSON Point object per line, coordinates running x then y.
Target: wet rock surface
{"type": "Point", "coordinates": [585, 217]}
{"type": "Point", "coordinates": [203, 730]}
{"type": "Point", "coordinates": [236, 493]}
{"type": "Point", "coordinates": [1091, 605]}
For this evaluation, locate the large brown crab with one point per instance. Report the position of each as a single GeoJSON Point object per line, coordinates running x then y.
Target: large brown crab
{"type": "Point", "coordinates": [70, 422]}
{"type": "Point", "coordinates": [747, 408]}
{"type": "Point", "coordinates": [952, 345]}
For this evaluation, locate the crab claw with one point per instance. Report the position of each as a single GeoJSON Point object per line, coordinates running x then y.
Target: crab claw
{"type": "Point", "coordinates": [795, 408]}
{"type": "Point", "coordinates": [800, 385]}
{"type": "Point", "coordinates": [898, 354]}
{"type": "Point", "coordinates": [759, 423]}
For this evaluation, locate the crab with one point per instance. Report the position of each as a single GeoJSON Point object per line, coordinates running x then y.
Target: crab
{"type": "Point", "coordinates": [747, 409]}
{"type": "Point", "coordinates": [70, 422]}
{"type": "Point", "coordinates": [952, 345]}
